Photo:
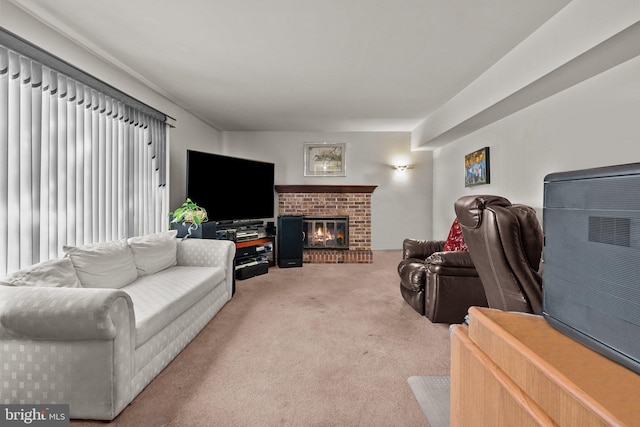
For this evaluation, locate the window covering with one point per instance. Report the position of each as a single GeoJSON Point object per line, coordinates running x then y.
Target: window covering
{"type": "Point", "coordinates": [77, 165]}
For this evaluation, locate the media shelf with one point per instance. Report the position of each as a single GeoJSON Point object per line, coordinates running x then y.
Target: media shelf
{"type": "Point", "coordinates": [255, 244]}
{"type": "Point", "coordinates": [254, 257]}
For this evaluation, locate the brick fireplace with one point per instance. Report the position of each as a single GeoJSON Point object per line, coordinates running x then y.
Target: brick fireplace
{"type": "Point", "coordinates": [352, 201]}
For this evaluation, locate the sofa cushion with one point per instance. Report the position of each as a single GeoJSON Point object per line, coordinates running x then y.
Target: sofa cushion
{"type": "Point", "coordinates": [103, 265]}
{"type": "Point", "coordinates": [154, 252]}
{"type": "Point", "coordinates": [455, 240]}
{"type": "Point", "coordinates": [160, 298]}
{"type": "Point", "coordinates": [52, 273]}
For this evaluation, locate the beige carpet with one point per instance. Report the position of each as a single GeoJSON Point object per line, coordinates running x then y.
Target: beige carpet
{"type": "Point", "coordinates": [320, 345]}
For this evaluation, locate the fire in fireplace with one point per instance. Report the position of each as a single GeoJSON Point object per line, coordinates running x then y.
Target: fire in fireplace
{"type": "Point", "coordinates": [326, 232]}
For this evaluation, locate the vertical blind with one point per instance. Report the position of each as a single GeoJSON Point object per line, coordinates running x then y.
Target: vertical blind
{"type": "Point", "coordinates": [77, 166]}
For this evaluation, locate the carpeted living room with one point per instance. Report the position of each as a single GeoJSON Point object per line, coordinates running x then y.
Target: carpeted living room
{"type": "Point", "coordinates": [315, 345]}
{"type": "Point", "coordinates": [336, 213]}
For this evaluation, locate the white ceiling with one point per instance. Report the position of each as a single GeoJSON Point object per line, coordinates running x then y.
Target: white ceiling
{"type": "Point", "coordinates": [301, 65]}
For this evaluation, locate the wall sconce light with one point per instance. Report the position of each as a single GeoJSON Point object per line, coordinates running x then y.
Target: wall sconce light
{"type": "Point", "coordinates": [401, 168]}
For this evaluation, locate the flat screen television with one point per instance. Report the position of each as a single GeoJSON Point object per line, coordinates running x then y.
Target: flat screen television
{"type": "Point", "coordinates": [230, 188]}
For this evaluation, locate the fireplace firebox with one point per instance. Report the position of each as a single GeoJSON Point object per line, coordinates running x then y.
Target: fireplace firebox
{"type": "Point", "coordinates": [326, 232]}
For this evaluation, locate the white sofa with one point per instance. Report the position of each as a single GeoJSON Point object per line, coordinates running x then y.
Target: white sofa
{"type": "Point", "coordinates": [88, 331]}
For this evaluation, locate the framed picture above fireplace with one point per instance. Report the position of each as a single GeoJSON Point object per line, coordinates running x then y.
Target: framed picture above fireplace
{"type": "Point", "coordinates": [324, 159]}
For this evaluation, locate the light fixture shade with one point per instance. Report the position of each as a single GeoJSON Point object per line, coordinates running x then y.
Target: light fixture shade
{"type": "Point", "coordinates": [401, 168]}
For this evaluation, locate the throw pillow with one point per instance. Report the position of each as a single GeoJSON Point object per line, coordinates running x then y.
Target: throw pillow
{"type": "Point", "coordinates": [55, 273]}
{"type": "Point", "coordinates": [103, 265]}
{"type": "Point", "coordinates": [455, 240]}
{"type": "Point", "coordinates": [154, 252]}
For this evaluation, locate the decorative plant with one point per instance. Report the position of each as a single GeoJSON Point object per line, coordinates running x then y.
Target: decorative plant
{"type": "Point", "coordinates": [190, 215]}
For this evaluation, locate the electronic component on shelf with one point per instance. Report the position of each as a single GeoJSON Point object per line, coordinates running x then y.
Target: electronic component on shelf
{"type": "Point", "coordinates": [245, 235]}
{"type": "Point", "coordinates": [250, 262]}
{"type": "Point", "coordinates": [227, 234]}
{"type": "Point", "coordinates": [252, 270]}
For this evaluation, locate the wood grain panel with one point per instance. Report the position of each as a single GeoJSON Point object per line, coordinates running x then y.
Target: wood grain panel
{"type": "Point", "coordinates": [482, 394]}
{"type": "Point", "coordinates": [573, 384]}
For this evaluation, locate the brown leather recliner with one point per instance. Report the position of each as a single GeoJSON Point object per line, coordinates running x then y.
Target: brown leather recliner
{"type": "Point", "coordinates": [439, 285]}
{"type": "Point", "coordinates": [505, 243]}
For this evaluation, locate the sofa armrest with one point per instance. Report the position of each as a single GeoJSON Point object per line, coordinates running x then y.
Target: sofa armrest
{"type": "Point", "coordinates": [450, 264]}
{"type": "Point", "coordinates": [421, 249]}
{"type": "Point", "coordinates": [459, 259]}
{"type": "Point", "coordinates": [209, 253]}
{"type": "Point", "coordinates": [412, 273]}
{"type": "Point", "coordinates": [88, 335]}
{"type": "Point", "coordinates": [205, 252]}
{"type": "Point", "coordinates": [70, 314]}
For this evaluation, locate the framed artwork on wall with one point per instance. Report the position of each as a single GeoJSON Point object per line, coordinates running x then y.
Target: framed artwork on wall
{"type": "Point", "coordinates": [476, 168]}
{"type": "Point", "coordinates": [324, 159]}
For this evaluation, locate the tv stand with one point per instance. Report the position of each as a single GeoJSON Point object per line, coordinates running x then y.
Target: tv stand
{"type": "Point", "coordinates": [254, 257]}
{"type": "Point", "coordinates": [254, 248]}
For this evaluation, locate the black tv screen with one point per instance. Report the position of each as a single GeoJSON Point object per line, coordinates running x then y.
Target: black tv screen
{"type": "Point", "coordinates": [230, 188]}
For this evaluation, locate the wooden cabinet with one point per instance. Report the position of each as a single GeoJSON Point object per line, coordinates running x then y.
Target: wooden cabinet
{"type": "Point", "coordinates": [514, 369]}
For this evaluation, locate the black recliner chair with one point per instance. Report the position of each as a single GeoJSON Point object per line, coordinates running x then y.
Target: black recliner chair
{"type": "Point", "coordinates": [437, 284]}
{"type": "Point", "coordinates": [505, 242]}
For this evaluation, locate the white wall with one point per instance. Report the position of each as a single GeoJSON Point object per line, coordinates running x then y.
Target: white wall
{"type": "Point", "coordinates": [583, 39]}
{"type": "Point", "coordinates": [595, 123]}
{"type": "Point", "coordinates": [401, 208]}
{"type": "Point", "coordinates": [190, 131]}
{"type": "Point", "coordinates": [401, 205]}
{"type": "Point", "coordinates": [578, 108]}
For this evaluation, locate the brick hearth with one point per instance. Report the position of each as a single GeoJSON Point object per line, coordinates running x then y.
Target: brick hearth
{"type": "Point", "coordinates": [353, 201]}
